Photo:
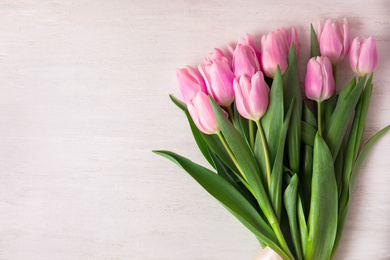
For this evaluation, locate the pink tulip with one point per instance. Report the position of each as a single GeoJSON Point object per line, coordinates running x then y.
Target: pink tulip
{"type": "Point", "coordinates": [219, 76]}
{"type": "Point", "coordinates": [319, 81]}
{"type": "Point", "coordinates": [275, 47]}
{"type": "Point", "coordinates": [251, 96]}
{"type": "Point", "coordinates": [190, 82]}
{"type": "Point", "coordinates": [202, 113]}
{"type": "Point", "coordinates": [333, 39]}
{"type": "Point", "coordinates": [364, 56]}
{"type": "Point", "coordinates": [245, 61]}
{"type": "Point", "coordinates": [248, 40]}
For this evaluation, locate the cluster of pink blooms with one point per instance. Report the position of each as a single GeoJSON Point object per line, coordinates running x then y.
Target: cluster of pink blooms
{"type": "Point", "coordinates": [240, 76]}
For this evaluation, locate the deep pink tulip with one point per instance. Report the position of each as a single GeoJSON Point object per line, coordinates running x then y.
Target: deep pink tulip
{"type": "Point", "coordinates": [219, 76]}
{"type": "Point", "coordinates": [333, 39]}
{"type": "Point", "coordinates": [190, 82]}
{"type": "Point", "coordinates": [319, 81]}
{"type": "Point", "coordinates": [364, 55]}
{"type": "Point", "coordinates": [202, 113]}
{"type": "Point", "coordinates": [251, 96]}
{"type": "Point", "coordinates": [274, 50]}
{"type": "Point", "coordinates": [245, 61]}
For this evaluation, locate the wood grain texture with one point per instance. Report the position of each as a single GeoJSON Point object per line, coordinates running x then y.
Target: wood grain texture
{"type": "Point", "coordinates": [84, 99]}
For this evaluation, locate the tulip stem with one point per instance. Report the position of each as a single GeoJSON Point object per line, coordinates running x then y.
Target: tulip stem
{"type": "Point", "coordinates": [251, 134]}
{"type": "Point", "coordinates": [231, 155]}
{"type": "Point", "coordinates": [319, 118]}
{"type": "Point", "coordinates": [265, 151]}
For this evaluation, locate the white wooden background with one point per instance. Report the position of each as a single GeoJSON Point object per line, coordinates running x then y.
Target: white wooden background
{"type": "Point", "coordinates": [84, 99]}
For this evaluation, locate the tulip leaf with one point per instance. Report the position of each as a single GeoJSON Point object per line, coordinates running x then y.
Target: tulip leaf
{"type": "Point", "coordinates": [302, 224]}
{"type": "Point", "coordinates": [216, 146]}
{"type": "Point", "coordinates": [315, 47]}
{"type": "Point", "coordinates": [343, 209]}
{"type": "Point", "coordinates": [322, 224]}
{"type": "Point", "coordinates": [225, 193]}
{"type": "Point", "coordinates": [290, 202]}
{"type": "Point", "coordinates": [203, 147]}
{"type": "Point", "coordinates": [366, 98]}
{"type": "Point", "coordinates": [245, 158]}
{"type": "Point", "coordinates": [232, 178]}
{"type": "Point", "coordinates": [306, 176]}
{"type": "Point", "coordinates": [277, 169]}
{"type": "Point", "coordinates": [272, 121]}
{"type": "Point", "coordinates": [308, 116]}
{"type": "Point", "coordinates": [338, 166]}
{"type": "Point", "coordinates": [292, 91]}
{"type": "Point", "coordinates": [337, 125]}
{"type": "Point", "coordinates": [308, 133]}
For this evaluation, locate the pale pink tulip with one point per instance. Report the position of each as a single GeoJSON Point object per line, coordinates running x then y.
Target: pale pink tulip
{"type": "Point", "coordinates": [219, 76]}
{"type": "Point", "coordinates": [190, 82]}
{"type": "Point", "coordinates": [333, 39]}
{"type": "Point", "coordinates": [251, 96]}
{"type": "Point", "coordinates": [274, 50]}
{"type": "Point", "coordinates": [319, 81]}
{"type": "Point", "coordinates": [202, 113]}
{"type": "Point", "coordinates": [364, 55]}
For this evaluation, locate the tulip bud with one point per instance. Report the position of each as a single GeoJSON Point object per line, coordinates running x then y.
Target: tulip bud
{"type": "Point", "coordinates": [333, 39]}
{"type": "Point", "coordinates": [319, 81]}
{"type": "Point", "coordinates": [251, 96]}
{"type": "Point", "coordinates": [364, 56]}
{"type": "Point", "coordinates": [245, 61]}
{"type": "Point", "coordinates": [275, 47]}
{"type": "Point", "coordinates": [190, 82]}
{"type": "Point", "coordinates": [202, 113]}
{"type": "Point", "coordinates": [219, 76]}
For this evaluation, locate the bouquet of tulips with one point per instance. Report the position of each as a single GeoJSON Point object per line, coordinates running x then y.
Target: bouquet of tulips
{"type": "Point", "coordinates": [284, 168]}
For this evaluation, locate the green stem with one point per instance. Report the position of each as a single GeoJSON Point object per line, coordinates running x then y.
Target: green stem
{"type": "Point", "coordinates": [231, 155]}
{"type": "Point", "coordinates": [251, 135]}
{"type": "Point", "coordinates": [319, 118]}
{"type": "Point", "coordinates": [265, 151]}
{"type": "Point", "coordinates": [334, 71]}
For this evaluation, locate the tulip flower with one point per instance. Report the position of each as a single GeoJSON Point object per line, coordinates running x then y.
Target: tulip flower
{"type": "Point", "coordinates": [245, 61]}
{"type": "Point", "coordinates": [202, 113]}
{"type": "Point", "coordinates": [275, 47]}
{"type": "Point", "coordinates": [251, 96]}
{"type": "Point", "coordinates": [333, 39]}
{"type": "Point", "coordinates": [219, 76]}
{"type": "Point", "coordinates": [319, 81]}
{"type": "Point", "coordinates": [248, 40]}
{"type": "Point", "coordinates": [190, 83]}
{"type": "Point", "coordinates": [364, 56]}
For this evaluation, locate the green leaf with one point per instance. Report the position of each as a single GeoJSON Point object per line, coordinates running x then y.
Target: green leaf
{"type": "Point", "coordinates": [178, 103]}
{"type": "Point", "coordinates": [343, 211]}
{"type": "Point", "coordinates": [308, 116]}
{"type": "Point", "coordinates": [223, 191]}
{"type": "Point", "coordinates": [338, 166]}
{"type": "Point", "coordinates": [244, 156]}
{"type": "Point", "coordinates": [277, 169]}
{"type": "Point", "coordinates": [306, 176]}
{"type": "Point", "coordinates": [203, 147]}
{"type": "Point", "coordinates": [229, 197]}
{"type": "Point", "coordinates": [232, 178]}
{"type": "Point", "coordinates": [315, 47]}
{"type": "Point", "coordinates": [366, 98]}
{"type": "Point", "coordinates": [272, 121]}
{"type": "Point", "coordinates": [337, 125]}
{"type": "Point", "coordinates": [290, 202]}
{"type": "Point", "coordinates": [308, 133]}
{"type": "Point", "coordinates": [215, 144]}
{"type": "Point", "coordinates": [322, 222]}
{"type": "Point", "coordinates": [302, 225]}
{"type": "Point", "coordinates": [292, 91]}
